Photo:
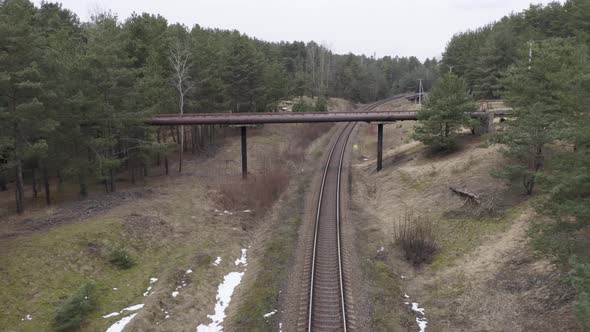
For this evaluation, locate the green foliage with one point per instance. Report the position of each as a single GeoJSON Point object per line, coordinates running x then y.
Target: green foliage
{"type": "Point", "coordinates": [444, 114]}
{"type": "Point", "coordinates": [74, 96]}
{"type": "Point", "coordinates": [121, 258]}
{"type": "Point", "coordinates": [302, 106]}
{"type": "Point", "coordinates": [580, 279]}
{"type": "Point", "coordinates": [482, 55]}
{"type": "Point", "coordinates": [72, 314]}
{"type": "Point", "coordinates": [539, 91]}
{"type": "Point", "coordinates": [321, 105]}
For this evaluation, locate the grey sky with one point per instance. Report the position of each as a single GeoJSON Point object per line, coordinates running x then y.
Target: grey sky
{"type": "Point", "coordinates": [385, 27]}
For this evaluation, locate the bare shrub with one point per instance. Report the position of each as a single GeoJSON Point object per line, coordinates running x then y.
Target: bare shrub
{"type": "Point", "coordinates": [258, 192]}
{"type": "Point", "coordinates": [262, 189]}
{"type": "Point", "coordinates": [302, 138]}
{"type": "Point", "coordinates": [416, 237]}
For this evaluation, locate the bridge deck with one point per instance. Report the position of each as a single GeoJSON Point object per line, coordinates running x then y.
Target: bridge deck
{"type": "Point", "coordinates": [259, 118]}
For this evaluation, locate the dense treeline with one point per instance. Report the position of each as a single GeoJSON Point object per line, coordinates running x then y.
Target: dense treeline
{"type": "Point", "coordinates": [483, 55]}
{"type": "Point", "coordinates": [539, 61]}
{"type": "Point", "coordinates": [73, 95]}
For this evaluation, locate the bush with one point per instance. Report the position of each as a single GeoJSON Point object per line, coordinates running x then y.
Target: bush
{"type": "Point", "coordinates": [321, 105]}
{"type": "Point", "coordinates": [580, 279]}
{"type": "Point", "coordinates": [72, 313]}
{"type": "Point", "coordinates": [258, 192]}
{"type": "Point", "coordinates": [302, 106]}
{"type": "Point", "coordinates": [121, 258]}
{"type": "Point", "coordinates": [416, 237]}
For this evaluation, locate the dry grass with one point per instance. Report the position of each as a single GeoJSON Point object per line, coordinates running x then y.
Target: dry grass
{"type": "Point", "coordinates": [261, 190]}
{"type": "Point", "coordinates": [301, 138]}
{"type": "Point", "coordinates": [258, 192]}
{"type": "Point", "coordinates": [415, 235]}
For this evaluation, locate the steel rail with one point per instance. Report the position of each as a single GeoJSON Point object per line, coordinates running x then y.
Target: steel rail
{"type": "Point", "coordinates": [344, 134]}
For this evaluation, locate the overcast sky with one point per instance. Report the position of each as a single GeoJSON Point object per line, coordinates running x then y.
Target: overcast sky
{"type": "Point", "coordinates": [384, 27]}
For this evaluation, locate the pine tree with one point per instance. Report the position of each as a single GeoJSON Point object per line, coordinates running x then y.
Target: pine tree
{"type": "Point", "coordinates": [444, 113]}
{"type": "Point", "coordinates": [20, 86]}
{"type": "Point", "coordinates": [533, 89]}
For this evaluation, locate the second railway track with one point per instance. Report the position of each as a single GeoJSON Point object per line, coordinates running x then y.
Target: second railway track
{"type": "Point", "coordinates": [327, 306]}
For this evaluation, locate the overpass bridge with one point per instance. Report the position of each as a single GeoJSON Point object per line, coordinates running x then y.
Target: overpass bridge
{"type": "Point", "coordinates": [243, 120]}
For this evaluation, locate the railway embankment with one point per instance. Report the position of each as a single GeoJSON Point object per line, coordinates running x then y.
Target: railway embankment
{"type": "Point", "coordinates": [437, 260]}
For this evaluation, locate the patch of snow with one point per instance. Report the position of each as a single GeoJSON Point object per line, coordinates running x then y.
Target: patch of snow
{"type": "Point", "coordinates": [406, 296]}
{"type": "Point", "coordinates": [270, 314]}
{"type": "Point", "coordinates": [113, 314]}
{"type": "Point", "coordinates": [421, 319]}
{"type": "Point", "coordinates": [243, 260]}
{"type": "Point", "coordinates": [189, 271]}
{"type": "Point", "coordinates": [175, 294]}
{"type": "Point", "coordinates": [147, 291]}
{"type": "Point", "coordinates": [167, 316]}
{"type": "Point", "coordinates": [134, 307]}
{"type": "Point", "coordinates": [224, 294]}
{"type": "Point", "coordinates": [217, 261]}
{"type": "Point", "coordinates": [120, 325]}
{"type": "Point", "coordinates": [422, 322]}
{"type": "Point", "coordinates": [416, 308]}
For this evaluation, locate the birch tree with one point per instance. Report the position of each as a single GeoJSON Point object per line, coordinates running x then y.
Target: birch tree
{"type": "Point", "coordinates": [181, 79]}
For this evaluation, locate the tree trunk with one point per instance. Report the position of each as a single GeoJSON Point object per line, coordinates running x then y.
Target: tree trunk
{"type": "Point", "coordinates": [60, 179]}
{"type": "Point", "coordinates": [3, 183]}
{"type": "Point", "coordinates": [181, 150]}
{"type": "Point", "coordinates": [173, 134]}
{"type": "Point", "coordinates": [166, 165]}
{"type": "Point", "coordinates": [19, 188]}
{"type": "Point", "coordinates": [34, 177]}
{"type": "Point", "coordinates": [83, 186]}
{"type": "Point", "coordinates": [158, 156]}
{"type": "Point", "coordinates": [46, 185]}
{"type": "Point", "coordinates": [112, 180]}
{"type": "Point", "coordinates": [194, 140]}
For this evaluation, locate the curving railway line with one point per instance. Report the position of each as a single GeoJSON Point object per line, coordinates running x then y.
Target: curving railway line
{"type": "Point", "coordinates": [327, 306]}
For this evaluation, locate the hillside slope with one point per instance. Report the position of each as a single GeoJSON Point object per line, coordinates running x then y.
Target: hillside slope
{"type": "Point", "coordinates": [484, 276]}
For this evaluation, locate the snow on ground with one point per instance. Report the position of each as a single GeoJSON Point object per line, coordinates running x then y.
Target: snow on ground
{"type": "Point", "coordinates": [421, 318]}
{"type": "Point", "coordinates": [224, 294]}
{"type": "Point", "coordinates": [120, 325]}
{"type": "Point", "coordinates": [243, 260]}
{"type": "Point", "coordinates": [217, 261]}
{"type": "Point", "coordinates": [270, 314]}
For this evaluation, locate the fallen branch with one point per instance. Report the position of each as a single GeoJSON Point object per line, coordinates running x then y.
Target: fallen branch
{"type": "Point", "coordinates": [468, 195]}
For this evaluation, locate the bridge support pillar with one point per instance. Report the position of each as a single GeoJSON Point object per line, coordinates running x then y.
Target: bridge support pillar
{"type": "Point", "coordinates": [244, 153]}
{"type": "Point", "coordinates": [379, 146]}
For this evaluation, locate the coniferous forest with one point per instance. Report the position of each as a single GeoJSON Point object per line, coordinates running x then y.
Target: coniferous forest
{"type": "Point", "coordinates": [74, 95]}
{"type": "Point", "coordinates": [538, 60]}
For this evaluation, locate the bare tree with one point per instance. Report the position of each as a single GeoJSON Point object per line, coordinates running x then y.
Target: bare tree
{"type": "Point", "coordinates": [181, 79]}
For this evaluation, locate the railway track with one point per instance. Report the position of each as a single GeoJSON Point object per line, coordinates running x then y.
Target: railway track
{"type": "Point", "coordinates": [327, 306]}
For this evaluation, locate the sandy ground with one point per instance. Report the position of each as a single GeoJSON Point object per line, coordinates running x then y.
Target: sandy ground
{"type": "Point", "coordinates": [485, 277]}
